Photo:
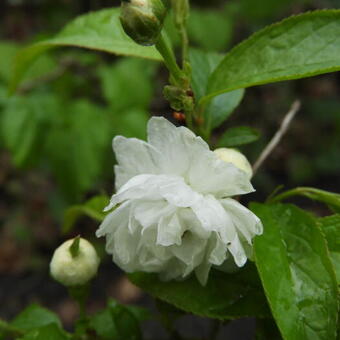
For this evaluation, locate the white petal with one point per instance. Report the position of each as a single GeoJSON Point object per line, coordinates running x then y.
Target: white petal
{"type": "Point", "coordinates": [202, 272]}
{"type": "Point", "coordinates": [156, 187]}
{"type": "Point", "coordinates": [175, 144]}
{"type": "Point", "coordinates": [176, 192]}
{"type": "Point", "coordinates": [173, 270]}
{"type": "Point", "coordinates": [136, 188]}
{"type": "Point", "coordinates": [170, 231]}
{"type": "Point", "coordinates": [153, 258]}
{"type": "Point", "coordinates": [134, 157]}
{"type": "Point", "coordinates": [191, 252]}
{"type": "Point", "coordinates": [125, 249]}
{"type": "Point", "coordinates": [213, 217]}
{"type": "Point", "coordinates": [247, 223]}
{"type": "Point", "coordinates": [218, 253]}
{"type": "Point", "coordinates": [236, 249]}
{"type": "Point", "coordinates": [150, 212]}
{"type": "Point", "coordinates": [210, 175]}
{"type": "Point", "coordinates": [113, 220]}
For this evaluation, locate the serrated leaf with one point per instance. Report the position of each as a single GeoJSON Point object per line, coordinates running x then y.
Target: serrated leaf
{"type": "Point", "coordinates": [33, 317]}
{"type": "Point", "coordinates": [298, 47]}
{"type": "Point", "coordinates": [239, 135]}
{"type": "Point", "coordinates": [226, 296]}
{"type": "Point", "coordinates": [92, 208]}
{"type": "Point", "coordinates": [296, 272]}
{"type": "Point", "coordinates": [330, 225]}
{"type": "Point", "coordinates": [221, 107]}
{"type": "Point", "coordinates": [99, 31]}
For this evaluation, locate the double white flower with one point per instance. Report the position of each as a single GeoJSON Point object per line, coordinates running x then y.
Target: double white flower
{"type": "Point", "coordinates": [173, 212]}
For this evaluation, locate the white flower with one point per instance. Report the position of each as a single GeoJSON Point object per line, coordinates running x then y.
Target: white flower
{"type": "Point", "coordinates": [235, 157]}
{"type": "Point", "coordinates": [74, 271]}
{"type": "Point", "coordinates": [173, 212]}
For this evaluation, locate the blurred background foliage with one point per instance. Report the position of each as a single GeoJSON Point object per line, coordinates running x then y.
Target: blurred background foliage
{"type": "Point", "coordinates": [56, 132]}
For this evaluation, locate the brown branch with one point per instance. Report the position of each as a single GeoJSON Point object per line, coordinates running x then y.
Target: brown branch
{"type": "Point", "coordinates": [278, 135]}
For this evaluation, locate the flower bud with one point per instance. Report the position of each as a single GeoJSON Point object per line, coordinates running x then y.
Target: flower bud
{"type": "Point", "coordinates": [235, 157]}
{"type": "Point", "coordinates": [142, 20]}
{"type": "Point", "coordinates": [74, 268]}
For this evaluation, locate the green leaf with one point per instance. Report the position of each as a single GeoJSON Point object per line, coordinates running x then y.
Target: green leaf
{"type": "Point", "coordinates": [92, 208]}
{"type": "Point", "coordinates": [50, 332]}
{"type": "Point", "coordinates": [126, 322]}
{"type": "Point", "coordinates": [238, 136]}
{"type": "Point", "coordinates": [300, 46]}
{"type": "Point", "coordinates": [23, 125]}
{"type": "Point", "coordinates": [296, 272]}
{"type": "Point", "coordinates": [99, 31]}
{"type": "Point", "coordinates": [103, 325]}
{"type": "Point", "coordinates": [9, 49]}
{"type": "Point", "coordinates": [210, 29]}
{"type": "Point", "coordinates": [330, 225]}
{"type": "Point", "coordinates": [131, 123]}
{"type": "Point", "coordinates": [220, 108]}
{"type": "Point", "coordinates": [226, 296]}
{"type": "Point", "coordinates": [332, 199]}
{"type": "Point", "coordinates": [33, 317]}
{"type": "Point", "coordinates": [123, 91]}
{"type": "Point", "coordinates": [76, 147]}
{"type": "Point", "coordinates": [119, 321]}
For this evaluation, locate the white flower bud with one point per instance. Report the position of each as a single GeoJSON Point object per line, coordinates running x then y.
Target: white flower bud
{"type": "Point", "coordinates": [142, 20]}
{"type": "Point", "coordinates": [74, 270]}
{"type": "Point", "coordinates": [235, 157]}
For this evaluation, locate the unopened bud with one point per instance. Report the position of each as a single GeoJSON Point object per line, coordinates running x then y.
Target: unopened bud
{"type": "Point", "coordinates": [142, 20]}
{"type": "Point", "coordinates": [74, 268]}
{"type": "Point", "coordinates": [235, 157]}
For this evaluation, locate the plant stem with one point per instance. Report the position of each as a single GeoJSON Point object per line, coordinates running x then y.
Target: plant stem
{"type": "Point", "coordinates": [80, 294]}
{"type": "Point", "coordinates": [185, 46]}
{"type": "Point", "coordinates": [169, 59]}
{"type": "Point", "coordinates": [289, 193]}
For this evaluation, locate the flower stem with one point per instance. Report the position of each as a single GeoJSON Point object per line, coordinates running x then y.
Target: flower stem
{"type": "Point", "coordinates": [289, 193]}
{"type": "Point", "coordinates": [169, 59]}
{"type": "Point", "coordinates": [80, 294]}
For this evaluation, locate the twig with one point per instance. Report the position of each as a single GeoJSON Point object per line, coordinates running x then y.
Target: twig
{"type": "Point", "coordinates": [278, 135]}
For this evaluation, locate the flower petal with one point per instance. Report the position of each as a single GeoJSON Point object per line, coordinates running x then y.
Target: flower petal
{"type": "Point", "coordinates": [149, 213]}
{"type": "Point", "coordinates": [113, 220]}
{"type": "Point", "coordinates": [212, 215]}
{"type": "Point", "coordinates": [210, 175]}
{"type": "Point", "coordinates": [247, 223]}
{"type": "Point", "coordinates": [170, 231]}
{"type": "Point", "coordinates": [176, 145]}
{"type": "Point", "coordinates": [156, 187]}
{"type": "Point", "coordinates": [134, 157]}
{"type": "Point", "coordinates": [191, 252]}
